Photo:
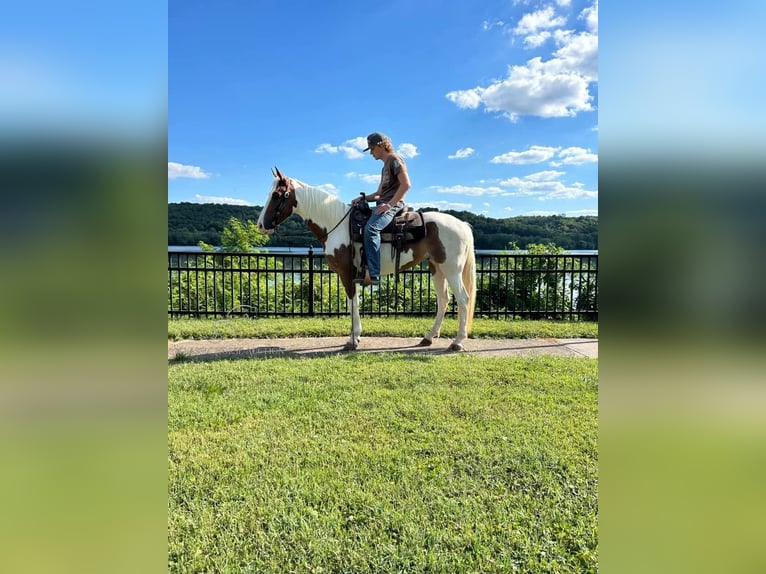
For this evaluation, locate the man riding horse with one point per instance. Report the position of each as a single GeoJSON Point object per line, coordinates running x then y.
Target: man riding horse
{"type": "Point", "coordinates": [389, 200]}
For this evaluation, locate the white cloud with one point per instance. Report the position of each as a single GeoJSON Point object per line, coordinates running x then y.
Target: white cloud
{"type": "Point", "coordinates": [359, 142]}
{"type": "Point", "coordinates": [352, 153]}
{"type": "Point", "coordinates": [469, 190]}
{"type": "Point", "coordinates": [578, 54]}
{"type": "Point", "coordinates": [462, 153]}
{"type": "Point", "coordinates": [470, 99]}
{"type": "Point", "coordinates": [590, 15]}
{"type": "Point", "coordinates": [407, 150]}
{"type": "Point", "coordinates": [536, 21]}
{"type": "Point", "coordinates": [218, 199]}
{"type": "Point", "coordinates": [365, 177]}
{"type": "Point", "coordinates": [441, 205]}
{"type": "Point", "coordinates": [178, 170]}
{"type": "Point", "coordinates": [351, 148]}
{"type": "Point", "coordinates": [575, 156]}
{"type": "Point", "coordinates": [536, 40]}
{"type": "Point", "coordinates": [544, 190]}
{"type": "Point", "coordinates": [538, 154]}
{"type": "Point", "coordinates": [557, 87]}
{"type": "Point", "coordinates": [544, 175]}
{"type": "Point", "coordinates": [326, 148]}
{"type": "Point", "coordinates": [545, 89]}
{"type": "Point", "coordinates": [487, 25]}
{"type": "Point", "coordinates": [535, 154]}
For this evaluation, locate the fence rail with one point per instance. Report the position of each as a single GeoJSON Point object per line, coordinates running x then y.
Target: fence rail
{"type": "Point", "coordinates": [509, 285]}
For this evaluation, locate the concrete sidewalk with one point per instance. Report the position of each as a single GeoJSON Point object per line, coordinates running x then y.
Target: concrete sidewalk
{"type": "Point", "coordinates": [216, 349]}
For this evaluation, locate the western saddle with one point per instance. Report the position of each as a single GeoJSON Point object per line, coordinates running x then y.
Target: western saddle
{"type": "Point", "coordinates": [406, 228]}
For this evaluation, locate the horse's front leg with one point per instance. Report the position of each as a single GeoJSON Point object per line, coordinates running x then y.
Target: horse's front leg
{"type": "Point", "coordinates": [356, 323]}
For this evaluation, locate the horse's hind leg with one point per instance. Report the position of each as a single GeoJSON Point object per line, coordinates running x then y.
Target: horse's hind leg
{"type": "Point", "coordinates": [442, 298]}
{"type": "Point", "coordinates": [462, 299]}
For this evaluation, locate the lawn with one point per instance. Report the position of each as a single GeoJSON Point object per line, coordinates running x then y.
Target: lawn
{"type": "Point", "coordinates": [269, 328]}
{"type": "Point", "coordinates": [385, 463]}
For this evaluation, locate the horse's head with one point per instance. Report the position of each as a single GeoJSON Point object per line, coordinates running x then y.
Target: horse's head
{"type": "Point", "coordinates": [280, 204]}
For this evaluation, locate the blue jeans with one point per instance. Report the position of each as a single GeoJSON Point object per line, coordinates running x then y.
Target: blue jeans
{"type": "Point", "coordinates": [372, 230]}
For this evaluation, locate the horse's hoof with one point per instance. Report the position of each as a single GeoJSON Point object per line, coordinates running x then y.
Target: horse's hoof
{"type": "Point", "coordinates": [456, 348]}
{"type": "Point", "coordinates": [425, 342]}
{"type": "Point", "coordinates": [349, 347]}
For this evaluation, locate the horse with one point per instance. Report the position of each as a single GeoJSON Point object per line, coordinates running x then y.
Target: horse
{"type": "Point", "coordinates": [447, 246]}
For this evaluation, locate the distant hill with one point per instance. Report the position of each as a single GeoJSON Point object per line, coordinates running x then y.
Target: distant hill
{"type": "Point", "coordinates": [189, 223]}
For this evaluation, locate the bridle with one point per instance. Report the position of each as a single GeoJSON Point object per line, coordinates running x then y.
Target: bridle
{"type": "Point", "coordinates": [283, 197]}
{"type": "Point", "coordinates": [280, 205]}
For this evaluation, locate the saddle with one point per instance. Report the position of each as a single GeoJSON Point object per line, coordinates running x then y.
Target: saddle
{"type": "Point", "coordinates": [407, 227]}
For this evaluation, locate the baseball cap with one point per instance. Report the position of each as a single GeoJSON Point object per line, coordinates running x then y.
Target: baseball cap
{"type": "Point", "coordinates": [374, 139]}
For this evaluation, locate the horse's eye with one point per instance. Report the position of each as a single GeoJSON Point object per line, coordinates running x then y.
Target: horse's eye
{"type": "Point", "coordinates": [275, 195]}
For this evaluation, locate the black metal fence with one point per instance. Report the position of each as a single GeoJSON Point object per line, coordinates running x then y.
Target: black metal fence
{"type": "Point", "coordinates": [509, 284]}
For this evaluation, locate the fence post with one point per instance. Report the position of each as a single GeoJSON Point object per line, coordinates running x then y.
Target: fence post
{"type": "Point", "coordinates": [311, 281]}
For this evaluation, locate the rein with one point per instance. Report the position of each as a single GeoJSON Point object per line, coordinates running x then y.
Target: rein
{"type": "Point", "coordinates": [281, 205]}
{"type": "Point", "coordinates": [326, 235]}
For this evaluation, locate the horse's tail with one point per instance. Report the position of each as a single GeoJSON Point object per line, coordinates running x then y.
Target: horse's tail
{"type": "Point", "coordinates": [469, 282]}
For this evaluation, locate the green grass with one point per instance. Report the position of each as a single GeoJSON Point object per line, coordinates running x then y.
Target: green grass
{"type": "Point", "coordinates": [361, 463]}
{"type": "Point", "coordinates": [373, 327]}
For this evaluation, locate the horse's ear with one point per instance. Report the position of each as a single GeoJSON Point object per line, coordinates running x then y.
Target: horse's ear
{"type": "Point", "coordinates": [274, 173]}
{"type": "Point", "coordinates": [279, 173]}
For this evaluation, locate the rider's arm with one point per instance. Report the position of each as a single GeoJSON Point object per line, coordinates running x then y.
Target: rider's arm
{"type": "Point", "coordinates": [404, 186]}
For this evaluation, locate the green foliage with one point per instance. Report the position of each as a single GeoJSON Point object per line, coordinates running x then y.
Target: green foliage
{"type": "Point", "coordinates": [238, 237]}
{"type": "Point", "coordinates": [223, 282]}
{"type": "Point", "coordinates": [533, 285]}
{"type": "Point", "coordinates": [383, 464]}
{"type": "Point", "coordinates": [569, 232]}
{"type": "Point", "coordinates": [190, 223]}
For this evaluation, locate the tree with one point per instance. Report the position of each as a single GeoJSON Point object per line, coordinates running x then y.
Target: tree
{"type": "Point", "coordinates": [239, 237]}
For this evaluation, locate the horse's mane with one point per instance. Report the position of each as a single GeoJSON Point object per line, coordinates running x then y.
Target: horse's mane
{"type": "Point", "coordinates": [318, 203]}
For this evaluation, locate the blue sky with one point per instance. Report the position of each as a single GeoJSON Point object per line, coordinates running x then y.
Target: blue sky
{"type": "Point", "coordinates": [493, 104]}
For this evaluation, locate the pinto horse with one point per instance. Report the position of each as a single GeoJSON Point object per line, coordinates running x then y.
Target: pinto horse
{"type": "Point", "coordinates": [447, 246]}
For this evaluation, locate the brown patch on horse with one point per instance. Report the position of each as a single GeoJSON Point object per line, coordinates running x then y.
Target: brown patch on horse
{"type": "Point", "coordinates": [431, 247]}
{"type": "Point", "coordinates": [435, 245]}
{"type": "Point", "coordinates": [342, 262]}
{"type": "Point", "coordinates": [319, 232]}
